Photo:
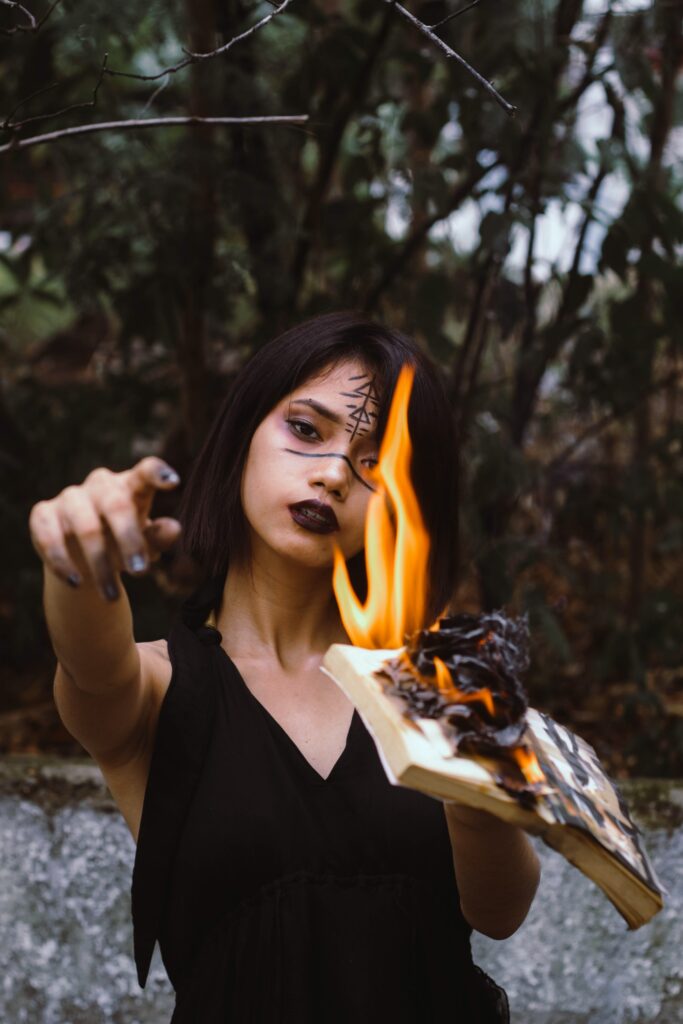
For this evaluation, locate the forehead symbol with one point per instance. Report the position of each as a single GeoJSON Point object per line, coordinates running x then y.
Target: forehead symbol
{"type": "Point", "coordinates": [363, 407]}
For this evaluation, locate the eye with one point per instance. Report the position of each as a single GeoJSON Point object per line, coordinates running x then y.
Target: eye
{"type": "Point", "coordinates": [299, 428]}
{"type": "Point", "coordinates": [370, 462]}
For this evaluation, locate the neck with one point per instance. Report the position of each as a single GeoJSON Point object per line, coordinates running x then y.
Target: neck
{"type": "Point", "coordinates": [287, 615]}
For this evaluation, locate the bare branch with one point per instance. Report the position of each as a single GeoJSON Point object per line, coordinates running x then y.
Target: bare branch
{"type": "Point", "coordinates": [41, 22]}
{"type": "Point", "coordinates": [243, 35]}
{"type": "Point", "coordinates": [456, 14]}
{"type": "Point", "coordinates": [192, 58]}
{"type": "Point", "coordinates": [452, 55]}
{"type": "Point", "coordinates": [7, 124]}
{"type": "Point", "coordinates": [32, 25]}
{"type": "Point", "coordinates": [27, 99]}
{"type": "Point", "coordinates": [195, 58]}
{"type": "Point", "coordinates": [150, 122]}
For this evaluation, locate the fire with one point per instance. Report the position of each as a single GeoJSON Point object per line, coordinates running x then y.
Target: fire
{"type": "Point", "coordinates": [528, 764]}
{"type": "Point", "coordinates": [396, 558]}
{"type": "Point", "coordinates": [446, 686]}
{"type": "Point", "coordinates": [396, 544]}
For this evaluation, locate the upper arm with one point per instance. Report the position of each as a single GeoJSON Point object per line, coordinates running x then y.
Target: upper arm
{"type": "Point", "coordinates": [112, 725]}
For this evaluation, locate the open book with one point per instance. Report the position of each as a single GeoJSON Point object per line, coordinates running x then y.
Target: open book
{"type": "Point", "coordinates": [577, 810]}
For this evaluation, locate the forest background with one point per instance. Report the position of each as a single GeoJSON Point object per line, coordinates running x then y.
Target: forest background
{"type": "Point", "coordinates": [536, 257]}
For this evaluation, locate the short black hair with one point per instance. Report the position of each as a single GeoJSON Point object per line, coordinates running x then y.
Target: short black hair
{"type": "Point", "coordinates": [214, 527]}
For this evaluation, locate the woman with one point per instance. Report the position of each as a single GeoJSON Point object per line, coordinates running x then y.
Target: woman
{"type": "Point", "coordinates": [285, 878]}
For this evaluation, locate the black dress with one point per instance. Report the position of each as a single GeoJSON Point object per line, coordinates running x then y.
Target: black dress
{"type": "Point", "coordinates": [278, 896]}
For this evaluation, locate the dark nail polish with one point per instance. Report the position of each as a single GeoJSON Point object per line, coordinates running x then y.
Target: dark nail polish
{"type": "Point", "coordinates": [110, 591]}
{"type": "Point", "coordinates": [137, 563]}
{"type": "Point", "coordinates": [169, 476]}
{"type": "Point", "coordinates": [74, 580]}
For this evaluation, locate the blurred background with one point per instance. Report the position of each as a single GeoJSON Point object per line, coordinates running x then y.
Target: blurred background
{"type": "Point", "coordinates": [537, 258]}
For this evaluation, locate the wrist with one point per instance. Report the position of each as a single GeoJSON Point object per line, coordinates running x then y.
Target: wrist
{"type": "Point", "coordinates": [473, 818]}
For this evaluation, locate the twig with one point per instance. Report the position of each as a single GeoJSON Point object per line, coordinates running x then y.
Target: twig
{"type": "Point", "coordinates": [192, 58]}
{"type": "Point", "coordinates": [456, 14]}
{"type": "Point", "coordinates": [149, 122]}
{"type": "Point", "coordinates": [195, 58]}
{"type": "Point", "coordinates": [452, 55]}
{"type": "Point", "coordinates": [7, 124]}
{"type": "Point", "coordinates": [33, 25]}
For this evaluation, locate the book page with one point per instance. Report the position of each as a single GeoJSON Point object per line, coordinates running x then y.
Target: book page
{"type": "Point", "coordinates": [584, 796]}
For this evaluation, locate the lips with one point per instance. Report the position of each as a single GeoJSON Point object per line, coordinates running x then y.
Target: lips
{"type": "Point", "coordinates": [315, 516]}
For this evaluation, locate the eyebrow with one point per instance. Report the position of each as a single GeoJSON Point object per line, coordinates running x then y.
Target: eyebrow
{"type": "Point", "coordinates": [322, 409]}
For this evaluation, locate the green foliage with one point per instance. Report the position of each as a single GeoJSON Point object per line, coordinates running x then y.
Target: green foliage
{"type": "Point", "coordinates": [140, 268]}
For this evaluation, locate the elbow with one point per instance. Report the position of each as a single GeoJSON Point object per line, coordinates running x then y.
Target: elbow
{"type": "Point", "coordinates": [500, 929]}
{"type": "Point", "coordinates": [502, 921]}
{"type": "Point", "coordinates": [497, 927]}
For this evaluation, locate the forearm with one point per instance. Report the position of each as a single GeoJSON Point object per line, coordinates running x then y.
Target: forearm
{"type": "Point", "coordinates": [496, 869]}
{"type": "Point", "coordinates": [92, 638]}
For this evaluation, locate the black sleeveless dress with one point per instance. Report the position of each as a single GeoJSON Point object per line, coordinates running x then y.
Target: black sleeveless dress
{"type": "Point", "coordinates": [280, 897]}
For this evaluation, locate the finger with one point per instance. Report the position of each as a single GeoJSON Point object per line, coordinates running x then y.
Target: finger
{"type": "Point", "coordinates": [81, 522]}
{"type": "Point", "coordinates": [116, 507]}
{"type": "Point", "coordinates": [47, 537]}
{"type": "Point", "coordinates": [147, 476]}
{"type": "Point", "coordinates": [161, 534]}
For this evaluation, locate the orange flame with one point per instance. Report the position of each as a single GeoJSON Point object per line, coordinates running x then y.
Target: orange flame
{"type": "Point", "coordinates": [528, 764]}
{"type": "Point", "coordinates": [396, 558]}
{"type": "Point", "coordinates": [446, 686]}
{"type": "Point", "coordinates": [396, 544]}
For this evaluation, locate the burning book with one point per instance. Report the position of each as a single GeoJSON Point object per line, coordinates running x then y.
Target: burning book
{"type": "Point", "coordinates": [447, 709]}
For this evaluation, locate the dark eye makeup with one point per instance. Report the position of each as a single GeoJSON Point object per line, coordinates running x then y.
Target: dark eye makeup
{"type": "Point", "coordinates": [299, 427]}
{"type": "Point", "coordinates": [296, 425]}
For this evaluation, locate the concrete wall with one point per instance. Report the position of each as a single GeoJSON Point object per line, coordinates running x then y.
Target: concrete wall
{"type": "Point", "coordinates": [66, 859]}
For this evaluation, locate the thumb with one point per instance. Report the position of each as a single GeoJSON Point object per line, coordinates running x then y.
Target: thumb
{"type": "Point", "coordinates": [162, 533]}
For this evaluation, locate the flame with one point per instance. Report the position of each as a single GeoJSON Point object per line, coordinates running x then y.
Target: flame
{"type": "Point", "coordinates": [528, 764]}
{"type": "Point", "coordinates": [396, 544]}
{"type": "Point", "coordinates": [446, 686]}
{"type": "Point", "coordinates": [396, 559]}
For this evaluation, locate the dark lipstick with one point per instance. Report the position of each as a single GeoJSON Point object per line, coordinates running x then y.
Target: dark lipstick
{"type": "Point", "coordinates": [315, 516]}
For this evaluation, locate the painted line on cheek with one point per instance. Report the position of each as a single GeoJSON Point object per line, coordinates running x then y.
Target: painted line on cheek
{"type": "Point", "coordinates": [336, 455]}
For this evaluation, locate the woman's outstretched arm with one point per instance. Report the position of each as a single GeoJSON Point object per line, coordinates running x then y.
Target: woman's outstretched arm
{"type": "Point", "coordinates": [496, 869]}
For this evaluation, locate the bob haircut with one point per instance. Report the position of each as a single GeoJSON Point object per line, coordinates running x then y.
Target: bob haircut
{"type": "Point", "coordinates": [215, 531]}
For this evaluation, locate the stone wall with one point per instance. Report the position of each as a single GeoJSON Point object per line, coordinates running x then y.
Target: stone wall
{"type": "Point", "coordinates": [66, 860]}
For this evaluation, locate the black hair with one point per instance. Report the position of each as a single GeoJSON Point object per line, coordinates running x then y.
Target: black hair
{"type": "Point", "coordinates": [214, 527]}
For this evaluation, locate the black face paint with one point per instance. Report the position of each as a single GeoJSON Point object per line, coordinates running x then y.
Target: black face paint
{"type": "Point", "coordinates": [364, 407]}
{"type": "Point", "coordinates": [335, 455]}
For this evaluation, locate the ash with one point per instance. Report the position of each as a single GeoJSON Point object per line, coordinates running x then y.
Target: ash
{"type": "Point", "coordinates": [481, 652]}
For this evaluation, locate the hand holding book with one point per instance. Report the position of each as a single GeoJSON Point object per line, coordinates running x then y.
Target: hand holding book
{"type": "Point", "coordinates": [529, 771]}
{"type": "Point", "coordinates": [448, 711]}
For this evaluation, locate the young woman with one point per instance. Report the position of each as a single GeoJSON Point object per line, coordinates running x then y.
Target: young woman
{"type": "Point", "coordinates": [284, 877]}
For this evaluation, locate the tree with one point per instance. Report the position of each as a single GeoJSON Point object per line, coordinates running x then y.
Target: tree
{"type": "Point", "coordinates": [536, 257]}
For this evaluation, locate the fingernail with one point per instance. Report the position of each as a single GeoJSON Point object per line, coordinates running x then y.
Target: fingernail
{"type": "Point", "coordinates": [110, 591]}
{"type": "Point", "coordinates": [169, 475]}
{"type": "Point", "coordinates": [137, 563]}
{"type": "Point", "coordinates": [74, 580]}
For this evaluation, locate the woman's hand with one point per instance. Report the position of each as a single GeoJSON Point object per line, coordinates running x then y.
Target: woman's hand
{"type": "Point", "coordinates": [102, 526]}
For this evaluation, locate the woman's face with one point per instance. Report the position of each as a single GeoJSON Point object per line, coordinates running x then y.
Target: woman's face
{"type": "Point", "coordinates": [308, 475]}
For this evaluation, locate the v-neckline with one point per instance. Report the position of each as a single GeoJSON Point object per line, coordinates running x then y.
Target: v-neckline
{"type": "Point", "coordinates": [320, 779]}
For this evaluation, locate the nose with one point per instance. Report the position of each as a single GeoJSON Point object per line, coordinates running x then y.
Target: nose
{"type": "Point", "coordinates": [332, 474]}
